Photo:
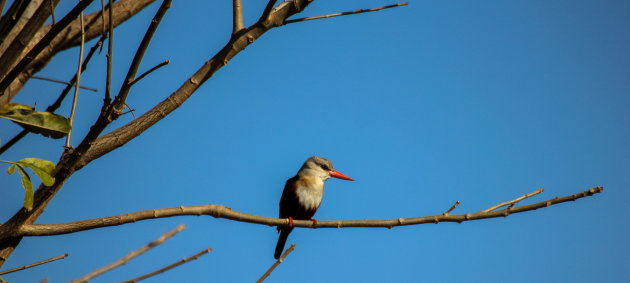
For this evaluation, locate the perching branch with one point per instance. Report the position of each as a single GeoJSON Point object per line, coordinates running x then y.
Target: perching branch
{"type": "Point", "coordinates": [130, 255]}
{"type": "Point", "coordinates": [34, 264]}
{"type": "Point", "coordinates": [345, 13]}
{"type": "Point", "coordinates": [170, 266]}
{"type": "Point", "coordinates": [275, 264]}
{"type": "Point", "coordinates": [219, 211]}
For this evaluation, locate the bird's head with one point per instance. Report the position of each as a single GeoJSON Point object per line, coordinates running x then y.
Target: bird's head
{"type": "Point", "coordinates": [321, 167]}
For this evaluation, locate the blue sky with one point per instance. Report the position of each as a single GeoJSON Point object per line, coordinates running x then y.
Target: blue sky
{"type": "Point", "coordinates": [477, 101]}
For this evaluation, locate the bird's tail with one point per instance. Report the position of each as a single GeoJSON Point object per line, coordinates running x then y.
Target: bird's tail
{"type": "Point", "coordinates": [282, 240]}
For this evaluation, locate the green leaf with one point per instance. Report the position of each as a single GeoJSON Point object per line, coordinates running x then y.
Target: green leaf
{"type": "Point", "coordinates": [42, 168]}
{"type": "Point", "coordinates": [11, 169]}
{"type": "Point", "coordinates": [28, 186]}
{"type": "Point", "coordinates": [45, 123]}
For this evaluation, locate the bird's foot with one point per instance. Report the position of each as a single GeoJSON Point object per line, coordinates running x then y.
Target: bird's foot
{"type": "Point", "coordinates": [314, 221]}
{"type": "Point", "coordinates": [290, 221]}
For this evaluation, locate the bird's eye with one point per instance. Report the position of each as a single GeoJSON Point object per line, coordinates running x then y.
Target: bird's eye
{"type": "Point", "coordinates": [325, 167]}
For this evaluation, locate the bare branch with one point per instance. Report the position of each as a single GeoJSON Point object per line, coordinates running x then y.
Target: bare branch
{"type": "Point", "coordinates": [43, 43]}
{"type": "Point", "coordinates": [52, 11]}
{"type": "Point", "coordinates": [78, 82]}
{"type": "Point", "coordinates": [166, 62]}
{"type": "Point", "coordinates": [237, 16]}
{"type": "Point", "coordinates": [514, 201]}
{"type": "Point", "coordinates": [130, 255]}
{"type": "Point", "coordinates": [275, 264]}
{"type": "Point", "coordinates": [62, 82]}
{"type": "Point", "coordinates": [110, 51]}
{"type": "Point", "coordinates": [345, 13]}
{"type": "Point", "coordinates": [120, 99]}
{"type": "Point", "coordinates": [219, 211]}
{"type": "Point", "coordinates": [451, 209]}
{"type": "Point", "coordinates": [34, 264]}
{"type": "Point", "coordinates": [267, 11]}
{"type": "Point", "coordinates": [168, 267]}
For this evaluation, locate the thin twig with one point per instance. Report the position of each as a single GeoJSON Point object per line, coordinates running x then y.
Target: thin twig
{"type": "Point", "coordinates": [220, 211]}
{"type": "Point", "coordinates": [170, 266]}
{"type": "Point", "coordinates": [130, 255]}
{"type": "Point", "coordinates": [150, 71]}
{"type": "Point", "coordinates": [110, 50]}
{"type": "Point", "coordinates": [62, 82]}
{"type": "Point", "coordinates": [129, 111]}
{"type": "Point", "coordinates": [103, 16]}
{"type": "Point", "coordinates": [451, 209]}
{"type": "Point", "coordinates": [78, 82]}
{"type": "Point", "coordinates": [275, 264]}
{"type": "Point", "coordinates": [137, 59]}
{"type": "Point", "coordinates": [34, 264]}
{"type": "Point", "coordinates": [237, 16]}
{"type": "Point", "coordinates": [514, 201]}
{"type": "Point", "coordinates": [345, 13]}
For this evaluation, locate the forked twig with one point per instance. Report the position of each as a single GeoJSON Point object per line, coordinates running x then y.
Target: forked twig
{"type": "Point", "coordinates": [170, 266]}
{"type": "Point", "coordinates": [451, 209]}
{"type": "Point", "coordinates": [345, 13]}
{"type": "Point", "coordinates": [512, 202]}
{"type": "Point", "coordinates": [34, 264]}
{"type": "Point", "coordinates": [275, 264]}
{"type": "Point", "coordinates": [130, 255]}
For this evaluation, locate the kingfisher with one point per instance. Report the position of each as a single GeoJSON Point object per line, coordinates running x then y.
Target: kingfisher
{"type": "Point", "coordinates": [303, 193]}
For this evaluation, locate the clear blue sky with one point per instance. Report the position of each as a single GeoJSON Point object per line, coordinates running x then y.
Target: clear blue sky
{"type": "Point", "coordinates": [477, 101]}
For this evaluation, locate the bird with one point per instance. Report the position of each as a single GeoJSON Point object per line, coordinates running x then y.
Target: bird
{"type": "Point", "coordinates": [303, 193]}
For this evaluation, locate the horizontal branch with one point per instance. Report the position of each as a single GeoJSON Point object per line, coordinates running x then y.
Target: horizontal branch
{"type": "Point", "coordinates": [219, 211]}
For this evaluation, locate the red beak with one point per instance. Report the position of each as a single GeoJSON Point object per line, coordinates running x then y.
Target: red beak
{"type": "Point", "coordinates": [338, 175]}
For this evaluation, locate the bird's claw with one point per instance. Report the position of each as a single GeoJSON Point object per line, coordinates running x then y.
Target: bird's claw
{"type": "Point", "coordinates": [314, 221]}
{"type": "Point", "coordinates": [290, 221]}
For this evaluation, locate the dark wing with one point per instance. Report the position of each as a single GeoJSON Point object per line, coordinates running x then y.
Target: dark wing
{"type": "Point", "coordinates": [289, 203]}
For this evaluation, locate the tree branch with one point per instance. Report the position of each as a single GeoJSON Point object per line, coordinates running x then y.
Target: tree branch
{"type": "Point", "coordinates": [70, 37]}
{"type": "Point", "coordinates": [130, 255]}
{"type": "Point", "coordinates": [237, 16]}
{"type": "Point", "coordinates": [168, 267]}
{"type": "Point", "coordinates": [514, 201]}
{"type": "Point", "coordinates": [275, 264]}
{"type": "Point", "coordinates": [345, 13]}
{"type": "Point", "coordinates": [166, 62]}
{"type": "Point", "coordinates": [34, 264]}
{"type": "Point", "coordinates": [219, 211]}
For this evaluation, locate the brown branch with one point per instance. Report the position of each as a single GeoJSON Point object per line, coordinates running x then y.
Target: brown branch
{"type": "Point", "coordinates": [120, 99]}
{"type": "Point", "coordinates": [150, 71]}
{"type": "Point", "coordinates": [70, 37]}
{"type": "Point", "coordinates": [514, 201]}
{"type": "Point", "coordinates": [345, 13]}
{"type": "Point", "coordinates": [275, 264]}
{"type": "Point", "coordinates": [39, 47]}
{"type": "Point", "coordinates": [78, 82]}
{"type": "Point", "coordinates": [219, 211]}
{"type": "Point", "coordinates": [130, 255]}
{"type": "Point", "coordinates": [110, 51]}
{"type": "Point", "coordinates": [52, 11]}
{"type": "Point", "coordinates": [63, 82]}
{"type": "Point", "coordinates": [267, 11]}
{"type": "Point", "coordinates": [451, 209]}
{"type": "Point", "coordinates": [237, 16]}
{"type": "Point", "coordinates": [33, 264]}
{"type": "Point", "coordinates": [168, 267]}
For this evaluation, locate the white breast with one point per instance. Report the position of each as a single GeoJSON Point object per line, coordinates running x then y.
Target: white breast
{"type": "Point", "coordinates": [310, 194]}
